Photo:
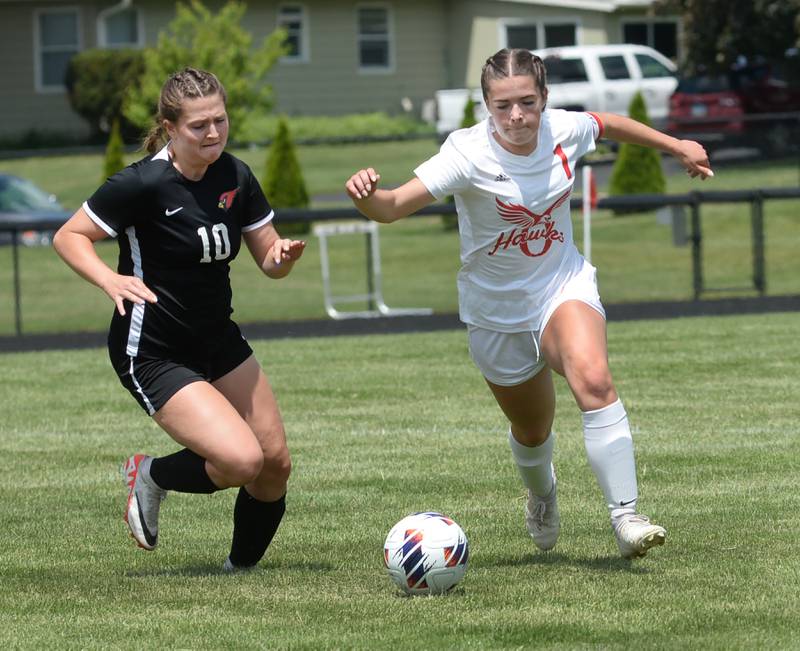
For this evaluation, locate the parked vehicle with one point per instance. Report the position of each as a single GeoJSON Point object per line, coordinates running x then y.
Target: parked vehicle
{"type": "Point", "coordinates": [585, 78]}
{"type": "Point", "coordinates": [34, 213]}
{"type": "Point", "coordinates": [755, 103]}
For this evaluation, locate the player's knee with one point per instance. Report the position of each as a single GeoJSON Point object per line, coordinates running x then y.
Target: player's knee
{"type": "Point", "coordinates": [278, 466]}
{"type": "Point", "coordinates": [532, 436]}
{"type": "Point", "coordinates": [594, 389]}
{"type": "Point", "coordinates": [242, 466]}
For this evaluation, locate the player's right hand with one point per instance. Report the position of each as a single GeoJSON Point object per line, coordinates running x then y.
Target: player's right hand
{"type": "Point", "coordinates": [127, 288]}
{"type": "Point", "coordinates": [362, 184]}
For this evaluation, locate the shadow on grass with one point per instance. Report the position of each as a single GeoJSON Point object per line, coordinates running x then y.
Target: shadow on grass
{"type": "Point", "coordinates": [209, 569]}
{"type": "Point", "coordinates": [547, 559]}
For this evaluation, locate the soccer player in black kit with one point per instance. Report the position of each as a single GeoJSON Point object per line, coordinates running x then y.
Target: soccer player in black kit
{"type": "Point", "coordinates": [180, 215]}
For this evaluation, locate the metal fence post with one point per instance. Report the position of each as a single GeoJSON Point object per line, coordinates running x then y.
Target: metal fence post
{"type": "Point", "coordinates": [757, 223]}
{"type": "Point", "coordinates": [697, 248]}
{"type": "Point", "coordinates": [371, 305]}
{"type": "Point", "coordinates": [17, 289]}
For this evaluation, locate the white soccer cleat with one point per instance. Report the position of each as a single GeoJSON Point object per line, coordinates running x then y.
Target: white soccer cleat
{"type": "Point", "coordinates": [542, 519]}
{"type": "Point", "coordinates": [636, 535]}
{"type": "Point", "coordinates": [144, 502]}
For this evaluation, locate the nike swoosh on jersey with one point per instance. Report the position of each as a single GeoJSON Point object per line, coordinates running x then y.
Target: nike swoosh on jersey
{"type": "Point", "coordinates": [169, 212]}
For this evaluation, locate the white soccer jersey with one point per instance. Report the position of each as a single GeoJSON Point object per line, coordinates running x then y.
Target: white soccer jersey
{"type": "Point", "coordinates": [513, 216]}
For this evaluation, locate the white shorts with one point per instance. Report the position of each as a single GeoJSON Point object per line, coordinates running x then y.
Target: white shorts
{"type": "Point", "coordinates": [511, 358]}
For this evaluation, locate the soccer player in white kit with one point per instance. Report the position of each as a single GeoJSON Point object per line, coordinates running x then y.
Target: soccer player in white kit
{"type": "Point", "coordinates": [528, 297]}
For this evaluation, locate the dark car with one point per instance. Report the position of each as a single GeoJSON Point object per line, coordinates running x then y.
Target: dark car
{"type": "Point", "coordinates": [755, 104]}
{"type": "Point", "coordinates": [32, 212]}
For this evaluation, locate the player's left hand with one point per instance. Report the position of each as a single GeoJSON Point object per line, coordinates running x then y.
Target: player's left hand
{"type": "Point", "coordinates": [286, 250]}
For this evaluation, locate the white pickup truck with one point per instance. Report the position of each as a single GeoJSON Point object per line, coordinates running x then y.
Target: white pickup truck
{"type": "Point", "coordinates": [600, 78]}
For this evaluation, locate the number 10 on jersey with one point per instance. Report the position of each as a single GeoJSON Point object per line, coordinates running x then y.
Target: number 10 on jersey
{"type": "Point", "coordinates": [222, 243]}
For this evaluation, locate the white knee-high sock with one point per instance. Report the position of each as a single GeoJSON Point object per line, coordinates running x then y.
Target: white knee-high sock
{"type": "Point", "coordinates": [535, 464]}
{"type": "Point", "coordinates": [609, 446]}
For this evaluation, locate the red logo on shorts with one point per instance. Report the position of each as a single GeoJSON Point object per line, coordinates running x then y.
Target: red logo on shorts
{"type": "Point", "coordinates": [226, 199]}
{"type": "Point", "coordinates": [534, 227]}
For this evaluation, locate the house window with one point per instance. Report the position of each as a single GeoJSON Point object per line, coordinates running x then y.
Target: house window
{"type": "Point", "coordinates": [374, 38]}
{"type": "Point", "coordinates": [559, 35]}
{"type": "Point", "coordinates": [293, 19]}
{"type": "Point", "coordinates": [532, 36]}
{"type": "Point", "coordinates": [57, 39]}
{"type": "Point", "coordinates": [661, 35]}
{"type": "Point", "coordinates": [120, 29]}
{"type": "Point", "coordinates": [522, 36]}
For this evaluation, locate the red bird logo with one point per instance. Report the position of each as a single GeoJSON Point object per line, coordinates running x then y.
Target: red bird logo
{"type": "Point", "coordinates": [226, 199]}
{"type": "Point", "coordinates": [521, 216]}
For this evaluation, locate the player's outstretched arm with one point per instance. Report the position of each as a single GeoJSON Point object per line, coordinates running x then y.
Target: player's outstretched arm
{"type": "Point", "coordinates": [274, 254]}
{"type": "Point", "coordinates": [74, 242]}
{"type": "Point", "coordinates": [386, 206]}
{"type": "Point", "coordinates": [689, 153]}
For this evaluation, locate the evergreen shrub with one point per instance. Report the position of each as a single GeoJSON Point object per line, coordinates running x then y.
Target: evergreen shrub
{"type": "Point", "coordinates": [114, 159]}
{"type": "Point", "coordinates": [637, 169]}
{"type": "Point", "coordinates": [283, 180]}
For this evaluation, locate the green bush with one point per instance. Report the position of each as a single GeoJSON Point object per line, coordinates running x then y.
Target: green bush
{"type": "Point", "coordinates": [637, 169]}
{"type": "Point", "coordinates": [114, 159]}
{"type": "Point", "coordinates": [215, 41]}
{"type": "Point", "coordinates": [97, 81]}
{"type": "Point", "coordinates": [259, 128]}
{"type": "Point", "coordinates": [283, 180]}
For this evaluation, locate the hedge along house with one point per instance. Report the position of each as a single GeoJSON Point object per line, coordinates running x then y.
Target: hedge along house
{"type": "Point", "coordinates": [346, 56]}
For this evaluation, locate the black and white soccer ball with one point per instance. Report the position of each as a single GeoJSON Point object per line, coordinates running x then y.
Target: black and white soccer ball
{"type": "Point", "coordinates": [426, 553]}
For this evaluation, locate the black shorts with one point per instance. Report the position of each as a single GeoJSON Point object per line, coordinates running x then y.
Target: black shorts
{"type": "Point", "coordinates": [154, 380]}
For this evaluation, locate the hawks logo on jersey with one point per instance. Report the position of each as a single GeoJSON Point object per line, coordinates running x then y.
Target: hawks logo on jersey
{"type": "Point", "coordinates": [226, 199]}
{"type": "Point", "coordinates": [532, 227]}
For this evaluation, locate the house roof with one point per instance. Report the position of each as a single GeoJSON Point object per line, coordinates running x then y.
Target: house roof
{"type": "Point", "coordinates": [605, 6]}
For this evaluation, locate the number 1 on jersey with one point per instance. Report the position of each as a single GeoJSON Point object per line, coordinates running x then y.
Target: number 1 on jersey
{"type": "Point", "coordinates": [222, 243]}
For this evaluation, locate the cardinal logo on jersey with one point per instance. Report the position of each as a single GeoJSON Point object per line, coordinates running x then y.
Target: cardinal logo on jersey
{"type": "Point", "coordinates": [226, 199]}
{"type": "Point", "coordinates": [530, 227]}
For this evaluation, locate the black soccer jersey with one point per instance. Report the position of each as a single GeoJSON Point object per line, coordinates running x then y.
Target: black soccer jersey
{"type": "Point", "coordinates": [179, 237]}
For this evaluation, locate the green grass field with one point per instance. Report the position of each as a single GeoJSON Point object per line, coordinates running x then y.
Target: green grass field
{"type": "Point", "coordinates": [634, 254]}
{"type": "Point", "coordinates": [384, 425]}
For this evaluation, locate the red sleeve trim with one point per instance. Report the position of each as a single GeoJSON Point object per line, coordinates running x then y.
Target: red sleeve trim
{"type": "Point", "coordinates": [600, 124]}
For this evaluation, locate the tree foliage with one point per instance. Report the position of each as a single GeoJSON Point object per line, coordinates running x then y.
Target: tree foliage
{"type": "Point", "coordinates": [637, 169]}
{"type": "Point", "coordinates": [114, 159]}
{"type": "Point", "coordinates": [210, 41]}
{"type": "Point", "coordinates": [283, 179]}
{"type": "Point", "coordinates": [97, 81]}
{"type": "Point", "coordinates": [717, 32]}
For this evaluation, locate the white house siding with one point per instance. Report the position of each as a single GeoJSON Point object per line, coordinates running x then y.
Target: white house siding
{"type": "Point", "coordinates": [476, 31]}
{"type": "Point", "coordinates": [22, 107]}
{"type": "Point", "coordinates": [330, 81]}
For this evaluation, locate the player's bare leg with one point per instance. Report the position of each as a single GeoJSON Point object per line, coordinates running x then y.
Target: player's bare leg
{"type": "Point", "coordinates": [260, 504]}
{"type": "Point", "coordinates": [530, 407]}
{"type": "Point", "coordinates": [574, 345]}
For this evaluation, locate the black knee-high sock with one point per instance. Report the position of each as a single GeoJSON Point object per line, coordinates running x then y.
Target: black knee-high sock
{"type": "Point", "coordinates": [254, 525]}
{"type": "Point", "coordinates": [183, 471]}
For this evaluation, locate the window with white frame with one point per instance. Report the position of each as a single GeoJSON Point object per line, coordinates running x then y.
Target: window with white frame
{"type": "Point", "coordinates": [120, 29]}
{"type": "Point", "coordinates": [57, 40]}
{"type": "Point", "coordinates": [661, 35]}
{"type": "Point", "coordinates": [293, 18]}
{"type": "Point", "coordinates": [374, 38]}
{"type": "Point", "coordinates": [532, 36]}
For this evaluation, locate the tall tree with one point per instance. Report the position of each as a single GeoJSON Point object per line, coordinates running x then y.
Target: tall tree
{"type": "Point", "coordinates": [213, 41]}
{"type": "Point", "coordinates": [717, 32]}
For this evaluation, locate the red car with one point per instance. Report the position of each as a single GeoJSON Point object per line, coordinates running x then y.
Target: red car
{"type": "Point", "coordinates": [757, 105]}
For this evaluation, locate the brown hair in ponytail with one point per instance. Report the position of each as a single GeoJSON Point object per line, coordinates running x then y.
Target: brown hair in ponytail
{"type": "Point", "coordinates": [510, 62]}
